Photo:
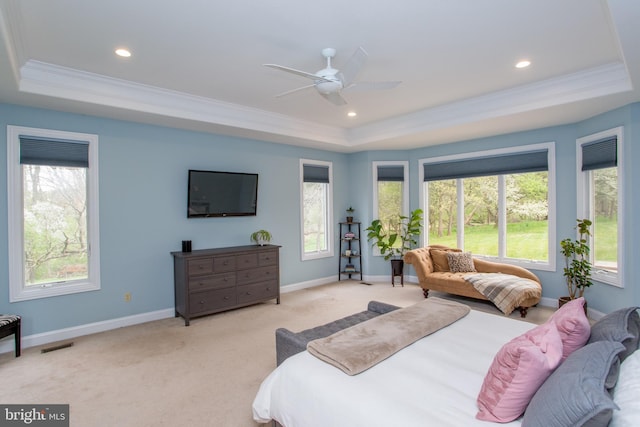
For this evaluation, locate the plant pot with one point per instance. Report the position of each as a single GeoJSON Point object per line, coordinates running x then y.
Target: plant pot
{"type": "Point", "coordinates": [563, 300]}
{"type": "Point", "coordinates": [397, 269]}
{"type": "Point", "coordinates": [349, 219]}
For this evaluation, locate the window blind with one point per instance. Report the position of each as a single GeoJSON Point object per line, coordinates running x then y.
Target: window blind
{"type": "Point", "coordinates": [391, 173]}
{"type": "Point", "coordinates": [53, 152]}
{"type": "Point", "coordinates": [600, 154]}
{"type": "Point", "coordinates": [531, 161]}
{"type": "Point", "coordinates": [314, 173]}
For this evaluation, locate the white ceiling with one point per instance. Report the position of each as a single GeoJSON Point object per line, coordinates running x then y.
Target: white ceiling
{"type": "Point", "coordinates": [198, 64]}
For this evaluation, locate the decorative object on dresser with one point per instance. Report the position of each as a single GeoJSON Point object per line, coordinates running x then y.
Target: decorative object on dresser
{"type": "Point", "coordinates": [261, 237]}
{"type": "Point", "coordinates": [209, 281]}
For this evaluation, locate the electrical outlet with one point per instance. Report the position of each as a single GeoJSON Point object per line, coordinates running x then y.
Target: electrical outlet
{"type": "Point", "coordinates": [127, 297]}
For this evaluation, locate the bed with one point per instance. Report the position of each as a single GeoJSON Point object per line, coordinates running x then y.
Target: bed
{"type": "Point", "coordinates": [434, 381]}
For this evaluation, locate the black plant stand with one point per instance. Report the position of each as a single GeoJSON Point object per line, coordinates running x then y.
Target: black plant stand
{"type": "Point", "coordinates": [397, 269]}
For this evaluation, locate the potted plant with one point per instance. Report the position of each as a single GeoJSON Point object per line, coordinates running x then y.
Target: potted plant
{"type": "Point", "coordinates": [577, 270]}
{"type": "Point", "coordinates": [261, 237]}
{"type": "Point", "coordinates": [394, 241]}
{"type": "Point", "coordinates": [350, 211]}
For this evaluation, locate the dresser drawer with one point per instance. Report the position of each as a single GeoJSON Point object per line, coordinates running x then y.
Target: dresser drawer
{"type": "Point", "coordinates": [247, 261]}
{"type": "Point", "coordinates": [259, 274]}
{"type": "Point", "coordinates": [200, 266]}
{"type": "Point", "coordinates": [215, 281]}
{"type": "Point", "coordinates": [211, 300]}
{"type": "Point", "coordinates": [224, 263]}
{"type": "Point", "coordinates": [267, 258]}
{"type": "Point", "coordinates": [258, 291]}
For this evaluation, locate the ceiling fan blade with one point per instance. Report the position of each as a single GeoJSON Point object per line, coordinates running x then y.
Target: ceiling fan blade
{"type": "Point", "coordinates": [297, 72]}
{"type": "Point", "coordinates": [289, 92]}
{"type": "Point", "coordinates": [334, 98]}
{"type": "Point", "coordinates": [362, 86]}
{"type": "Point", "coordinates": [353, 66]}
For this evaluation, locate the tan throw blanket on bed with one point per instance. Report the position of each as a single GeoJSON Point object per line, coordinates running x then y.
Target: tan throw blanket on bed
{"type": "Point", "coordinates": [506, 291]}
{"type": "Point", "coordinates": [361, 346]}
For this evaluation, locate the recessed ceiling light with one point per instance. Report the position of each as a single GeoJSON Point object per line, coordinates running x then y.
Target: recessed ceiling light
{"type": "Point", "coordinates": [523, 64]}
{"type": "Point", "coordinates": [125, 53]}
{"type": "Point", "coordinates": [352, 114]}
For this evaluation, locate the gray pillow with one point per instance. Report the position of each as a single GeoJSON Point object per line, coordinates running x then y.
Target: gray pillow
{"type": "Point", "coordinates": [622, 326]}
{"type": "Point", "coordinates": [576, 394]}
{"type": "Point", "coordinates": [460, 262]}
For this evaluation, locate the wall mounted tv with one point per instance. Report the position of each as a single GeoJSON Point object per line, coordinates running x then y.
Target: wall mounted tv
{"type": "Point", "coordinates": [213, 194]}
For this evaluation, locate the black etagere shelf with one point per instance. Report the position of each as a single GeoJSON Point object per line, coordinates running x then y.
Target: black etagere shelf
{"type": "Point", "coordinates": [350, 259]}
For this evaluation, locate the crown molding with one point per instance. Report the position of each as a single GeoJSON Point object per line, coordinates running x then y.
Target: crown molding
{"type": "Point", "coordinates": [595, 82]}
{"type": "Point", "coordinates": [52, 80]}
{"type": "Point", "coordinates": [42, 78]}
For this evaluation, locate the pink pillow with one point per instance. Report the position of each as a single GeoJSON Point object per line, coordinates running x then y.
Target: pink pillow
{"type": "Point", "coordinates": [573, 325]}
{"type": "Point", "coordinates": [516, 373]}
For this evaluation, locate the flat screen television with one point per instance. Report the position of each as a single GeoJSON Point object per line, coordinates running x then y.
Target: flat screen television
{"type": "Point", "coordinates": [214, 194]}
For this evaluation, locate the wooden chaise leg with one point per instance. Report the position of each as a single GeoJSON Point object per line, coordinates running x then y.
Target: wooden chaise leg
{"type": "Point", "coordinates": [426, 293]}
{"type": "Point", "coordinates": [523, 311]}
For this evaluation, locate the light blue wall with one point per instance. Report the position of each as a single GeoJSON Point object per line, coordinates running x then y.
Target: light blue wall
{"type": "Point", "coordinates": [143, 179]}
{"type": "Point", "coordinates": [143, 183]}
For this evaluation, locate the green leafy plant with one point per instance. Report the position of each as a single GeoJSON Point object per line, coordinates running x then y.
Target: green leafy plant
{"type": "Point", "coordinates": [577, 270]}
{"type": "Point", "coordinates": [350, 210]}
{"type": "Point", "coordinates": [402, 234]}
{"type": "Point", "coordinates": [261, 237]}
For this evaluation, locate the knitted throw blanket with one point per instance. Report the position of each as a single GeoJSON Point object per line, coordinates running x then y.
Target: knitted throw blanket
{"type": "Point", "coordinates": [506, 291]}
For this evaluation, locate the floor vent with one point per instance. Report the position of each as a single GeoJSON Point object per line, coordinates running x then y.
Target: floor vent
{"type": "Point", "coordinates": [56, 347]}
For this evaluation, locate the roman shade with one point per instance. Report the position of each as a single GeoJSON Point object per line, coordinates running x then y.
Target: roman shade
{"type": "Point", "coordinates": [391, 173]}
{"type": "Point", "coordinates": [600, 154]}
{"type": "Point", "coordinates": [314, 173]}
{"type": "Point", "coordinates": [54, 152]}
{"type": "Point", "coordinates": [501, 164]}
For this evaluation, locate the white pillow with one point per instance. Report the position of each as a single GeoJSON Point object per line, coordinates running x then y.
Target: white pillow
{"type": "Point", "coordinates": [627, 393]}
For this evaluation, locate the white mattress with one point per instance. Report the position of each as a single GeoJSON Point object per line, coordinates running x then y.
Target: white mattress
{"type": "Point", "coordinates": [433, 382]}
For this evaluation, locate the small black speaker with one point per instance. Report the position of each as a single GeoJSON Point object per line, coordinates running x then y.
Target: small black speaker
{"type": "Point", "coordinates": [186, 246]}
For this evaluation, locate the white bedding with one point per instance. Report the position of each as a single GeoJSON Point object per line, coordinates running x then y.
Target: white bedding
{"type": "Point", "coordinates": [433, 382]}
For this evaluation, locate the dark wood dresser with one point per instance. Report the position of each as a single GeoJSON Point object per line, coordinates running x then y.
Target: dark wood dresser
{"type": "Point", "coordinates": [213, 280]}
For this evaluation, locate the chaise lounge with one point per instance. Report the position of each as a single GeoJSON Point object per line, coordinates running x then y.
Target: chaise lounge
{"type": "Point", "coordinates": [520, 288]}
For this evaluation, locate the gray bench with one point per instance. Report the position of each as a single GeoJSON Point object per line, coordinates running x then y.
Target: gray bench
{"type": "Point", "coordinates": [289, 343]}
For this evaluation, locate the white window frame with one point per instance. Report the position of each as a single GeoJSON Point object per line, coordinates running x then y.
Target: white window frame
{"type": "Point", "coordinates": [405, 190]}
{"type": "Point", "coordinates": [585, 207]}
{"type": "Point", "coordinates": [550, 264]}
{"type": "Point", "coordinates": [307, 256]}
{"type": "Point", "coordinates": [17, 290]}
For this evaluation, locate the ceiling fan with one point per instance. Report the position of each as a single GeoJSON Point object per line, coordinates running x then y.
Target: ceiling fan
{"type": "Point", "coordinates": [330, 82]}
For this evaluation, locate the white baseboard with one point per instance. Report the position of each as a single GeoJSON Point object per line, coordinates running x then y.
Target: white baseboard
{"type": "Point", "coordinates": [7, 345]}
{"type": "Point", "coordinates": [307, 284]}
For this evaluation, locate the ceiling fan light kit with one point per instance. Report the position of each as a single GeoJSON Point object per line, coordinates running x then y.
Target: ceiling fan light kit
{"type": "Point", "coordinates": [330, 82]}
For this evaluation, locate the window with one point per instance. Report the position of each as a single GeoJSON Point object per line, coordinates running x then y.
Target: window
{"type": "Point", "coordinates": [52, 181]}
{"type": "Point", "coordinates": [316, 211]}
{"type": "Point", "coordinates": [390, 191]}
{"type": "Point", "coordinates": [599, 190]}
{"type": "Point", "coordinates": [497, 203]}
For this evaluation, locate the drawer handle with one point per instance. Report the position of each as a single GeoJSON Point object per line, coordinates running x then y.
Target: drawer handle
{"type": "Point", "coordinates": [226, 263]}
{"type": "Point", "coordinates": [201, 267]}
{"type": "Point", "coordinates": [248, 293]}
{"type": "Point", "coordinates": [201, 302]}
{"type": "Point", "coordinates": [226, 298]}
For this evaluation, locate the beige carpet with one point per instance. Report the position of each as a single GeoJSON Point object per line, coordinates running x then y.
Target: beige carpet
{"type": "Point", "coordinates": [165, 374]}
